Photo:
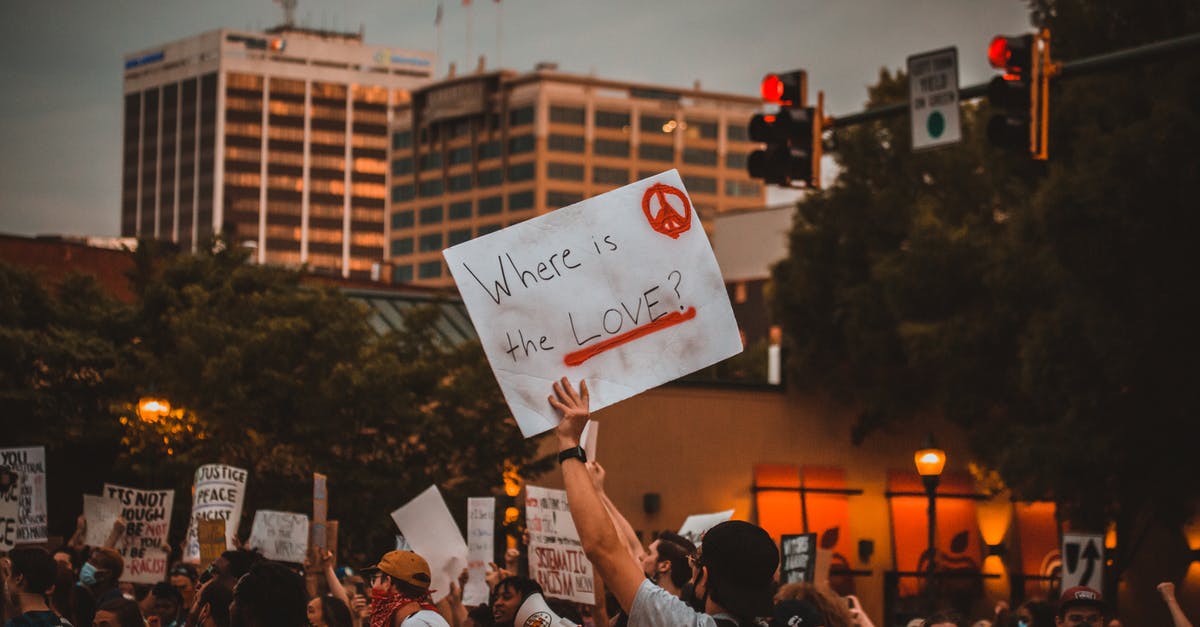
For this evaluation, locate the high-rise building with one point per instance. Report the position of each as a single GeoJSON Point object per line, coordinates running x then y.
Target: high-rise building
{"type": "Point", "coordinates": [278, 139]}
{"type": "Point", "coordinates": [476, 153]}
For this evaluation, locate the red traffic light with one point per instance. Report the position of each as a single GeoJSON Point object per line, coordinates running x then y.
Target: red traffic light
{"type": "Point", "coordinates": [998, 52]}
{"type": "Point", "coordinates": [1011, 54]}
{"type": "Point", "coordinates": [784, 89]}
{"type": "Point", "coordinates": [772, 88]}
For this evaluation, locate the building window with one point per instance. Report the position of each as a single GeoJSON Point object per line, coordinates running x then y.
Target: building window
{"type": "Point", "coordinates": [567, 115]}
{"type": "Point", "coordinates": [619, 176]}
{"type": "Point", "coordinates": [403, 246]}
{"type": "Point", "coordinates": [401, 139]}
{"type": "Point", "coordinates": [460, 155]}
{"type": "Point", "coordinates": [489, 150]}
{"type": "Point", "coordinates": [458, 129]}
{"type": "Point", "coordinates": [742, 188]}
{"type": "Point", "coordinates": [735, 160]}
{"type": "Point", "coordinates": [487, 228]}
{"type": "Point", "coordinates": [401, 193]}
{"type": "Point", "coordinates": [520, 172]}
{"type": "Point", "coordinates": [656, 152]}
{"type": "Point", "coordinates": [459, 236]}
{"type": "Point", "coordinates": [518, 145]}
{"type": "Point", "coordinates": [402, 274]}
{"type": "Point", "coordinates": [700, 156]}
{"type": "Point", "coordinates": [402, 219]}
{"type": "Point", "coordinates": [431, 215]}
{"type": "Point", "coordinates": [460, 183]}
{"type": "Point", "coordinates": [700, 184]}
{"type": "Point", "coordinates": [430, 243]}
{"type": "Point", "coordinates": [518, 117]}
{"type": "Point", "coordinates": [431, 188]}
{"type": "Point", "coordinates": [566, 143]}
{"type": "Point", "coordinates": [429, 270]}
{"type": "Point", "coordinates": [491, 206]}
{"type": "Point", "coordinates": [491, 178]}
{"type": "Point", "coordinates": [703, 130]}
{"type": "Point", "coordinates": [737, 132]}
{"type": "Point", "coordinates": [611, 148]}
{"type": "Point", "coordinates": [520, 200]}
{"type": "Point", "coordinates": [556, 199]}
{"type": "Point", "coordinates": [460, 210]}
{"type": "Point", "coordinates": [430, 161]}
{"type": "Point", "coordinates": [657, 124]}
{"type": "Point", "coordinates": [612, 119]}
{"type": "Point", "coordinates": [564, 171]}
{"type": "Point", "coordinates": [403, 166]}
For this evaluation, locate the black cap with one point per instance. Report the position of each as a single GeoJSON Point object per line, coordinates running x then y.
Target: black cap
{"type": "Point", "coordinates": [741, 560]}
{"type": "Point", "coordinates": [797, 613]}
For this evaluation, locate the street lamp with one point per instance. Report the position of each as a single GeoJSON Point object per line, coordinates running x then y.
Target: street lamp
{"type": "Point", "coordinates": [930, 461]}
{"type": "Point", "coordinates": [152, 409]}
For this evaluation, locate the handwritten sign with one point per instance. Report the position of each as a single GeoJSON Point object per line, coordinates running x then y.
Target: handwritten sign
{"type": "Point", "coordinates": [481, 538]}
{"type": "Point", "coordinates": [100, 513]}
{"type": "Point", "coordinates": [10, 507]}
{"type": "Point", "coordinates": [621, 289]}
{"type": "Point", "coordinates": [320, 510]}
{"type": "Point", "coordinates": [556, 559]}
{"type": "Point", "coordinates": [211, 538]}
{"type": "Point", "coordinates": [30, 463]}
{"type": "Point", "coordinates": [281, 536]}
{"type": "Point", "coordinates": [799, 556]}
{"type": "Point", "coordinates": [147, 515]}
{"type": "Point", "coordinates": [427, 526]}
{"type": "Point", "coordinates": [695, 525]}
{"type": "Point", "coordinates": [218, 492]}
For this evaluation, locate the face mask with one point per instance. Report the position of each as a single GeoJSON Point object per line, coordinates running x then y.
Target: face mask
{"type": "Point", "coordinates": [87, 575]}
{"type": "Point", "coordinates": [1022, 623]}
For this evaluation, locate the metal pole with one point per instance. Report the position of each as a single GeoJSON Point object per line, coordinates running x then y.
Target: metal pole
{"type": "Point", "coordinates": [931, 484]}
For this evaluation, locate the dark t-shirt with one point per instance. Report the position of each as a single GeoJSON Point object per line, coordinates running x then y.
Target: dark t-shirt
{"type": "Point", "coordinates": [37, 619]}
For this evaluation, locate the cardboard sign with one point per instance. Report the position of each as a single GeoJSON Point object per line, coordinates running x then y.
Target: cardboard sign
{"type": "Point", "coordinates": [281, 536]}
{"type": "Point", "coordinates": [320, 510]}
{"type": "Point", "coordinates": [331, 538]}
{"type": "Point", "coordinates": [30, 463]}
{"type": "Point", "coordinates": [556, 559]}
{"type": "Point", "coordinates": [481, 538]}
{"type": "Point", "coordinates": [798, 555]}
{"type": "Point", "coordinates": [621, 290]}
{"type": "Point", "coordinates": [100, 513]}
{"type": "Point", "coordinates": [218, 492]}
{"type": "Point", "coordinates": [211, 538]}
{"type": "Point", "coordinates": [10, 507]}
{"type": "Point", "coordinates": [695, 525]}
{"type": "Point", "coordinates": [147, 515]}
{"type": "Point", "coordinates": [428, 527]}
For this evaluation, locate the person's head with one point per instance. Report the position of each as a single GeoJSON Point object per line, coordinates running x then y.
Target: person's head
{"type": "Point", "coordinates": [165, 602]}
{"type": "Point", "coordinates": [214, 604]}
{"type": "Point", "coordinates": [833, 609]}
{"type": "Point", "coordinates": [667, 560]}
{"type": "Point", "coordinates": [1034, 614]}
{"type": "Point", "coordinates": [1080, 606]}
{"type": "Point", "coordinates": [236, 563]}
{"type": "Point", "coordinates": [401, 572]}
{"type": "Point", "coordinates": [328, 611]}
{"type": "Point", "coordinates": [29, 570]}
{"type": "Point", "coordinates": [60, 599]}
{"type": "Point", "coordinates": [119, 612]}
{"type": "Point", "coordinates": [735, 568]}
{"type": "Point", "coordinates": [944, 619]}
{"type": "Point", "coordinates": [182, 577]}
{"type": "Point", "coordinates": [507, 597]}
{"type": "Point", "coordinates": [479, 616]}
{"type": "Point", "coordinates": [270, 595]}
{"type": "Point", "coordinates": [102, 570]}
{"type": "Point", "coordinates": [797, 613]}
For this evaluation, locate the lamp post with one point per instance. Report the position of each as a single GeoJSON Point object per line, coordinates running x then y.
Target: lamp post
{"type": "Point", "coordinates": [152, 409]}
{"type": "Point", "coordinates": [930, 461]}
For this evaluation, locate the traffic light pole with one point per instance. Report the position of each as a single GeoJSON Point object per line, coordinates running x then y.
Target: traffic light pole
{"type": "Point", "coordinates": [1078, 67]}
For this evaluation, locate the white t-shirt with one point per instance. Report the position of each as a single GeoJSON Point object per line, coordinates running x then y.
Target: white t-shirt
{"type": "Point", "coordinates": [425, 618]}
{"type": "Point", "coordinates": [655, 607]}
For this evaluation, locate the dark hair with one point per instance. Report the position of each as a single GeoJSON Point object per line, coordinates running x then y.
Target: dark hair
{"type": "Point", "coordinates": [239, 561]}
{"type": "Point", "coordinates": [217, 596]}
{"type": "Point", "coordinates": [60, 600]}
{"type": "Point", "coordinates": [37, 566]}
{"type": "Point", "coordinates": [481, 615]}
{"type": "Point", "coordinates": [675, 549]}
{"type": "Point", "coordinates": [271, 595]}
{"type": "Point", "coordinates": [184, 569]}
{"type": "Point", "coordinates": [108, 559]}
{"type": "Point", "coordinates": [334, 612]}
{"type": "Point", "coordinates": [523, 586]}
{"type": "Point", "coordinates": [128, 614]}
{"type": "Point", "coordinates": [407, 589]}
{"type": "Point", "coordinates": [164, 590]}
{"type": "Point", "coordinates": [1041, 612]}
{"type": "Point", "coordinates": [938, 618]}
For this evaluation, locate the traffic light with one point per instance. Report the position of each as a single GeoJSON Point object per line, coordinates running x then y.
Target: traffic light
{"type": "Point", "coordinates": [792, 135]}
{"type": "Point", "coordinates": [1020, 96]}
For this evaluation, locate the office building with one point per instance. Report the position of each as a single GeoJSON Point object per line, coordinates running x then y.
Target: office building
{"type": "Point", "coordinates": [277, 139]}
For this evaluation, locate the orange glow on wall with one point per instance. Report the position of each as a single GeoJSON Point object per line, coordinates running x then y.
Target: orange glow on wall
{"type": "Point", "coordinates": [829, 518]}
{"type": "Point", "coordinates": [778, 511]}
{"type": "Point", "coordinates": [957, 543]}
{"type": "Point", "coordinates": [1040, 554]}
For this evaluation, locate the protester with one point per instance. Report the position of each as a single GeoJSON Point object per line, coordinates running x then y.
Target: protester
{"type": "Point", "coordinates": [98, 583]}
{"type": "Point", "coordinates": [212, 605]}
{"type": "Point", "coordinates": [163, 605]}
{"type": "Point", "coordinates": [732, 573]}
{"type": "Point", "coordinates": [269, 595]}
{"type": "Point", "coordinates": [29, 574]}
{"type": "Point", "coordinates": [666, 563]}
{"type": "Point", "coordinates": [797, 613]}
{"type": "Point", "coordinates": [1035, 614]}
{"type": "Point", "coordinates": [328, 610]}
{"type": "Point", "coordinates": [944, 619]}
{"type": "Point", "coordinates": [834, 611]}
{"type": "Point", "coordinates": [400, 593]}
{"type": "Point", "coordinates": [1080, 606]}
{"type": "Point", "coordinates": [118, 612]}
{"type": "Point", "coordinates": [183, 577]}
{"type": "Point", "coordinates": [1166, 589]}
{"type": "Point", "coordinates": [507, 597]}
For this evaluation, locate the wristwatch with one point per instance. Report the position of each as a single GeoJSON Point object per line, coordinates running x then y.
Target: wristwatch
{"type": "Point", "coordinates": [572, 453]}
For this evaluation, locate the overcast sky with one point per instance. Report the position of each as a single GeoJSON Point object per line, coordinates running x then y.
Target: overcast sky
{"type": "Point", "coordinates": [61, 63]}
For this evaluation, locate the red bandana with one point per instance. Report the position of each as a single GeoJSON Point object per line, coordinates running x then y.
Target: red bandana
{"type": "Point", "coordinates": [384, 605]}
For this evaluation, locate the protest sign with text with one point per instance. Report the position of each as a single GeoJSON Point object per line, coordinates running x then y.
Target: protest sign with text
{"type": "Point", "coordinates": [798, 557]}
{"type": "Point", "coordinates": [30, 463]}
{"type": "Point", "coordinates": [212, 540]}
{"type": "Point", "coordinates": [621, 289]}
{"type": "Point", "coordinates": [147, 515]}
{"type": "Point", "coordinates": [218, 492]}
{"type": "Point", "coordinates": [556, 559]}
{"type": "Point", "coordinates": [281, 536]}
{"type": "Point", "coordinates": [481, 538]}
{"type": "Point", "coordinates": [428, 527]}
{"type": "Point", "coordinates": [100, 513]}
{"type": "Point", "coordinates": [10, 507]}
{"type": "Point", "coordinates": [694, 526]}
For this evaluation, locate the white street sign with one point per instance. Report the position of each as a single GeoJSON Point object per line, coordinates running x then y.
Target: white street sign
{"type": "Point", "coordinates": [1082, 560]}
{"type": "Point", "coordinates": [933, 98]}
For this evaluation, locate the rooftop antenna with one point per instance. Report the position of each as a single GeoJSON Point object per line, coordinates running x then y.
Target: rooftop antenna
{"type": "Point", "coordinates": [289, 12]}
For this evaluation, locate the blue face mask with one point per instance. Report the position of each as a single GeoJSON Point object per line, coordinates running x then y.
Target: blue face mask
{"type": "Point", "coordinates": [87, 574]}
{"type": "Point", "coordinates": [1022, 623]}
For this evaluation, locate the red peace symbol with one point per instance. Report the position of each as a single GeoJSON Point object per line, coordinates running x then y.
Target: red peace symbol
{"type": "Point", "coordinates": [669, 222]}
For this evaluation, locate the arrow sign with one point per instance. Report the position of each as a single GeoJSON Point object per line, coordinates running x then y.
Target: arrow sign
{"type": "Point", "coordinates": [1083, 560]}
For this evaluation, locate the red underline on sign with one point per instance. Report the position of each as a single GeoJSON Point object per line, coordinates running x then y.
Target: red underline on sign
{"type": "Point", "coordinates": [667, 321]}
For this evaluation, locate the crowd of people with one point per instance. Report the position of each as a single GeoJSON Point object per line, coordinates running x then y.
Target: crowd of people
{"type": "Point", "coordinates": [729, 579]}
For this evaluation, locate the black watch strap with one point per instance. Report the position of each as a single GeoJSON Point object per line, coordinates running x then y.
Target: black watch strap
{"type": "Point", "coordinates": [575, 452]}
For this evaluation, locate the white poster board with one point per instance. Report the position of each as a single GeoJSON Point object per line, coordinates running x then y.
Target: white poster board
{"type": "Point", "coordinates": [281, 536]}
{"type": "Point", "coordinates": [147, 515]}
{"type": "Point", "coordinates": [428, 527]}
{"type": "Point", "coordinates": [481, 543]}
{"type": "Point", "coordinates": [218, 492]}
{"type": "Point", "coordinates": [695, 525]}
{"type": "Point", "coordinates": [621, 289]}
{"type": "Point", "coordinates": [10, 508]}
{"type": "Point", "coordinates": [556, 559]}
{"type": "Point", "coordinates": [30, 463]}
{"type": "Point", "coordinates": [591, 434]}
{"type": "Point", "coordinates": [101, 512]}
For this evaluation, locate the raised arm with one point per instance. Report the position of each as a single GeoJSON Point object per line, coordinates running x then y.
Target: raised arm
{"type": "Point", "coordinates": [596, 532]}
{"type": "Point", "coordinates": [624, 529]}
{"type": "Point", "coordinates": [1167, 590]}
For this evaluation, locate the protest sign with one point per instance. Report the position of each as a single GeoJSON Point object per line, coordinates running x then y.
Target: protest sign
{"type": "Point", "coordinates": [211, 538]}
{"type": "Point", "coordinates": [30, 463]}
{"type": "Point", "coordinates": [320, 510]}
{"type": "Point", "coordinates": [281, 536]}
{"type": "Point", "coordinates": [798, 556]}
{"type": "Point", "coordinates": [621, 290]}
{"type": "Point", "coordinates": [695, 525]}
{"type": "Point", "coordinates": [591, 433]}
{"type": "Point", "coordinates": [147, 515]}
{"type": "Point", "coordinates": [331, 538]}
{"type": "Point", "coordinates": [218, 492]}
{"type": "Point", "coordinates": [10, 507]}
{"type": "Point", "coordinates": [481, 538]}
{"type": "Point", "coordinates": [556, 559]}
{"type": "Point", "coordinates": [430, 530]}
{"type": "Point", "coordinates": [100, 513]}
